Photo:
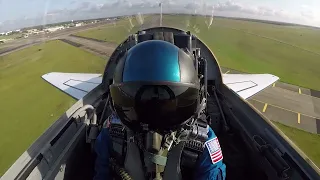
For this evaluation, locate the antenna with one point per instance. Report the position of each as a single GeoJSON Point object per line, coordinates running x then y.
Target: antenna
{"type": "Point", "coordinates": [211, 19]}
{"type": "Point", "coordinates": [160, 4]}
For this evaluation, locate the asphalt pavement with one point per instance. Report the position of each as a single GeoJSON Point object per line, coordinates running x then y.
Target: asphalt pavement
{"type": "Point", "coordinates": [99, 48]}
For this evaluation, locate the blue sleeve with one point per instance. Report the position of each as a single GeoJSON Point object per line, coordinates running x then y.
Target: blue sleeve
{"type": "Point", "coordinates": [103, 148]}
{"type": "Point", "coordinates": [207, 168]}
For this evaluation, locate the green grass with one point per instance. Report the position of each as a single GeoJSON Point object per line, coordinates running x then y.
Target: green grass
{"type": "Point", "coordinates": [115, 32]}
{"type": "Point", "coordinates": [307, 38]}
{"type": "Point", "coordinates": [309, 143]}
{"type": "Point", "coordinates": [28, 103]}
{"type": "Point", "coordinates": [112, 32]}
{"type": "Point", "coordinates": [107, 33]}
{"type": "Point", "coordinates": [248, 53]}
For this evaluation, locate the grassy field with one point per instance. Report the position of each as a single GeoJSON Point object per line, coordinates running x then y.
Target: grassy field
{"type": "Point", "coordinates": [244, 52]}
{"type": "Point", "coordinates": [309, 143]}
{"type": "Point", "coordinates": [112, 32]}
{"type": "Point", "coordinates": [28, 103]}
{"type": "Point", "coordinates": [307, 38]}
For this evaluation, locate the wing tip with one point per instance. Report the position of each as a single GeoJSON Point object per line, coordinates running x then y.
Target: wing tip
{"type": "Point", "coordinates": [48, 74]}
{"type": "Point", "coordinates": [276, 78]}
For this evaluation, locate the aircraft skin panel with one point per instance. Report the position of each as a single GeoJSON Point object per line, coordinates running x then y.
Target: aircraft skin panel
{"type": "Point", "coordinates": [83, 85]}
{"type": "Point", "coordinates": [247, 85]}
{"type": "Point", "coordinates": [78, 85]}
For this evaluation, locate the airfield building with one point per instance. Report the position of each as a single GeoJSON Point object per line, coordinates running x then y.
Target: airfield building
{"type": "Point", "coordinates": [53, 29]}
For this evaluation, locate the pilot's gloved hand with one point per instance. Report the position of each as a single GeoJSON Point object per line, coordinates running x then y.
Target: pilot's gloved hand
{"type": "Point", "coordinates": [210, 165]}
{"type": "Point", "coordinates": [103, 149]}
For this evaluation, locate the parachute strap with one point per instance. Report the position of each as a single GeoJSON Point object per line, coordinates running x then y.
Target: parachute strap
{"type": "Point", "coordinates": [196, 146]}
{"type": "Point", "coordinates": [193, 148]}
{"type": "Point", "coordinates": [117, 131]}
{"type": "Point", "coordinates": [157, 159]}
{"type": "Point", "coordinates": [118, 136]}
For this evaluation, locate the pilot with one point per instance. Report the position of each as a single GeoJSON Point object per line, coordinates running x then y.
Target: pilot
{"type": "Point", "coordinates": [155, 97]}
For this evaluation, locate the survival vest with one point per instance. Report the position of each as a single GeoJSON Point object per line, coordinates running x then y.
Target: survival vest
{"type": "Point", "coordinates": [179, 163]}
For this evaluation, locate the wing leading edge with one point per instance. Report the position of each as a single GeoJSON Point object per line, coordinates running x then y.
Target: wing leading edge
{"type": "Point", "coordinates": [78, 85]}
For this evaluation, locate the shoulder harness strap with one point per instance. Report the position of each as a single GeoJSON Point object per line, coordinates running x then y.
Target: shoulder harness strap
{"type": "Point", "coordinates": [194, 148]}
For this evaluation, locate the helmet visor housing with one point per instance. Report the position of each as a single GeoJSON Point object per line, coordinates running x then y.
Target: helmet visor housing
{"type": "Point", "coordinates": [155, 84]}
{"type": "Point", "coordinates": [160, 106]}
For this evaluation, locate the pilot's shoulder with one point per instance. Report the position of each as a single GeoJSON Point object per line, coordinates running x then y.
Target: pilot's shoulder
{"type": "Point", "coordinates": [211, 134]}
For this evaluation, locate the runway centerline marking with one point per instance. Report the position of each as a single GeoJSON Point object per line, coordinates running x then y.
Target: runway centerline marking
{"type": "Point", "coordinates": [299, 91]}
{"type": "Point", "coordinates": [286, 109]}
{"type": "Point", "coordinates": [298, 118]}
{"type": "Point", "coordinates": [265, 107]}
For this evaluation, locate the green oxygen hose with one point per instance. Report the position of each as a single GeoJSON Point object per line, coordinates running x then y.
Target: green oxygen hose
{"type": "Point", "coordinates": [121, 172]}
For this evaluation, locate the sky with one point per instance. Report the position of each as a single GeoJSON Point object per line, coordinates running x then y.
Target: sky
{"type": "Point", "coordinates": [15, 14]}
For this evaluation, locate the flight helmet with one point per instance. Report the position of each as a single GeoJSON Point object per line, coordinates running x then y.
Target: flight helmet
{"type": "Point", "coordinates": [155, 86]}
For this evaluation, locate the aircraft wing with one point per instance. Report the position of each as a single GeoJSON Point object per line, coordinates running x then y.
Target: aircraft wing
{"type": "Point", "coordinates": [247, 85]}
{"type": "Point", "coordinates": [78, 85]}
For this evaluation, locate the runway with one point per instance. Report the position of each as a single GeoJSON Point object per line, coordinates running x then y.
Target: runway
{"type": "Point", "coordinates": [96, 47]}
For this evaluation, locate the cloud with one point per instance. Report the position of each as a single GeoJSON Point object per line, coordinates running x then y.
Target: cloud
{"type": "Point", "coordinates": [258, 11]}
{"type": "Point", "coordinates": [228, 6]}
{"type": "Point", "coordinates": [55, 12]}
{"type": "Point", "coordinates": [84, 5]}
{"type": "Point", "coordinates": [91, 9]}
{"type": "Point", "coordinates": [307, 14]}
{"type": "Point", "coordinates": [244, 8]}
{"type": "Point", "coordinates": [192, 6]}
{"type": "Point", "coordinates": [169, 2]}
{"type": "Point", "coordinates": [266, 11]}
{"type": "Point", "coordinates": [73, 2]}
{"type": "Point", "coordinates": [122, 3]}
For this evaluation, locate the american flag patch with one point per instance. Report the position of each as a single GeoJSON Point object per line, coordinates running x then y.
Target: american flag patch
{"type": "Point", "coordinates": [214, 150]}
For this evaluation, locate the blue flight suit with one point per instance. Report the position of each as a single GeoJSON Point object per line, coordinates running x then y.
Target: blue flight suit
{"type": "Point", "coordinates": [206, 169]}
